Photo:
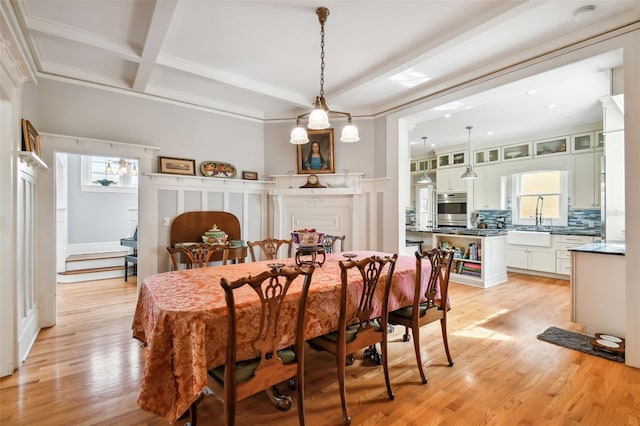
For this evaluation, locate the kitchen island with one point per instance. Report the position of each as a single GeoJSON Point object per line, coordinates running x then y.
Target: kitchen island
{"type": "Point", "coordinates": [479, 259]}
{"type": "Point", "coordinates": [598, 287]}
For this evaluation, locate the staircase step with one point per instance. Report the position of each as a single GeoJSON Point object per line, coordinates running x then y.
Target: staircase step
{"type": "Point", "coordinates": [96, 256]}
{"type": "Point", "coordinates": [91, 270]}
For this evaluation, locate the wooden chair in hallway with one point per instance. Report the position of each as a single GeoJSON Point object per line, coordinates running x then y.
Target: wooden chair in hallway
{"type": "Point", "coordinates": [239, 379]}
{"type": "Point", "coordinates": [269, 248]}
{"type": "Point", "coordinates": [430, 301]}
{"type": "Point", "coordinates": [367, 330]}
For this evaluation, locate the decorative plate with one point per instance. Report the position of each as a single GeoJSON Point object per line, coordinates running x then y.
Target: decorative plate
{"type": "Point", "coordinates": [610, 338]}
{"type": "Point", "coordinates": [607, 343]}
{"type": "Point", "coordinates": [217, 169]}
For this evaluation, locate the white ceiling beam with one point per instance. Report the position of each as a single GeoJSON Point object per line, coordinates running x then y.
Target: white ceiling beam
{"type": "Point", "coordinates": [162, 13]}
{"type": "Point", "coordinates": [233, 80]}
{"type": "Point", "coordinates": [113, 46]}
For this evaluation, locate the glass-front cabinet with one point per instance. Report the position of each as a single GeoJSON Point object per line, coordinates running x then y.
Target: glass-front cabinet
{"type": "Point", "coordinates": [551, 146]}
{"type": "Point", "coordinates": [517, 151]}
{"type": "Point", "coordinates": [582, 142]}
{"type": "Point", "coordinates": [457, 158]}
{"type": "Point", "coordinates": [485, 156]}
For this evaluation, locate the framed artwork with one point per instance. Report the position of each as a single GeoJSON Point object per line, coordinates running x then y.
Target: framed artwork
{"type": "Point", "coordinates": [177, 166]}
{"type": "Point", "coordinates": [317, 156]}
{"type": "Point", "coordinates": [250, 175]}
{"type": "Point", "coordinates": [30, 138]}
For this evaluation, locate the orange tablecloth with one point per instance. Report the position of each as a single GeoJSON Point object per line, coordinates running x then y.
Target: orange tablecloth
{"type": "Point", "coordinates": [181, 317]}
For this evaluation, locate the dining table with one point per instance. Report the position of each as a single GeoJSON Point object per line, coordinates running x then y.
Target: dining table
{"type": "Point", "coordinates": [181, 319]}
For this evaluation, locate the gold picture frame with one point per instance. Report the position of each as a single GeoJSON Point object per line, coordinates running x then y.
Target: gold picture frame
{"type": "Point", "coordinates": [249, 175]}
{"type": "Point", "coordinates": [30, 138]}
{"type": "Point", "coordinates": [324, 161]}
{"type": "Point", "coordinates": [177, 166]}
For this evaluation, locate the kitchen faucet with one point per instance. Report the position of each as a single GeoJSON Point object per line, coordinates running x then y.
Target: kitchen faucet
{"type": "Point", "coordinates": [539, 203]}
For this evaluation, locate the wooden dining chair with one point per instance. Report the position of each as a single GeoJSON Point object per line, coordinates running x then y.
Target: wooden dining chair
{"type": "Point", "coordinates": [362, 328]}
{"type": "Point", "coordinates": [197, 255]}
{"type": "Point", "coordinates": [238, 380]}
{"type": "Point", "coordinates": [430, 302]}
{"type": "Point", "coordinates": [329, 243]}
{"type": "Point", "coordinates": [269, 248]}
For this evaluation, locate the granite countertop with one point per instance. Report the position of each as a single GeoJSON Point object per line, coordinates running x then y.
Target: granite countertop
{"type": "Point", "coordinates": [494, 231]}
{"type": "Point", "coordinates": [602, 247]}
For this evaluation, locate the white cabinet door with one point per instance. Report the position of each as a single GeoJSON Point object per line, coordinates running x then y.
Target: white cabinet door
{"type": "Point", "coordinates": [516, 257]}
{"type": "Point", "coordinates": [449, 180]}
{"type": "Point", "coordinates": [486, 189]}
{"type": "Point", "coordinates": [542, 260]}
{"type": "Point", "coordinates": [586, 181]}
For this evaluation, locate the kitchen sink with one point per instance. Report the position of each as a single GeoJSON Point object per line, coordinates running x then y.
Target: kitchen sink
{"type": "Point", "coordinates": [529, 238]}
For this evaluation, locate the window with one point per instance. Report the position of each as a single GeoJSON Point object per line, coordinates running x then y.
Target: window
{"type": "Point", "coordinates": [109, 174]}
{"type": "Point", "coordinates": [543, 190]}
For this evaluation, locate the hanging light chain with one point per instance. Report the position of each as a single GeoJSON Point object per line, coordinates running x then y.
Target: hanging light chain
{"type": "Point", "coordinates": [322, 19]}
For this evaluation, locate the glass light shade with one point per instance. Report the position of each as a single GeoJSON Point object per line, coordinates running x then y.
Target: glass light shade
{"type": "Point", "coordinates": [109, 168]}
{"type": "Point", "coordinates": [122, 170]}
{"type": "Point", "coordinates": [349, 134]}
{"type": "Point", "coordinates": [425, 179]}
{"type": "Point", "coordinates": [299, 136]}
{"type": "Point", "coordinates": [134, 171]}
{"type": "Point", "coordinates": [318, 119]}
{"type": "Point", "coordinates": [469, 174]}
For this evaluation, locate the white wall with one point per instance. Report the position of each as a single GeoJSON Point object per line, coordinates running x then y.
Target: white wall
{"type": "Point", "coordinates": [96, 216]}
{"type": "Point", "coordinates": [182, 132]}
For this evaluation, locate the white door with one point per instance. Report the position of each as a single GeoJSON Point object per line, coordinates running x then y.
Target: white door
{"type": "Point", "coordinates": [27, 297]}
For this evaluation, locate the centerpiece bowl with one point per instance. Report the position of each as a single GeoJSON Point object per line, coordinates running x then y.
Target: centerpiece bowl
{"type": "Point", "coordinates": [307, 237]}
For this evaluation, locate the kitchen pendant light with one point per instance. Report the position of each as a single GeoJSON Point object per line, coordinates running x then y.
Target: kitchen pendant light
{"type": "Point", "coordinates": [425, 177]}
{"type": "Point", "coordinates": [319, 117]}
{"type": "Point", "coordinates": [469, 173]}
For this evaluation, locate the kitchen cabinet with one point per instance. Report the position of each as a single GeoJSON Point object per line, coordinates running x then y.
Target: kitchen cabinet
{"type": "Point", "coordinates": [484, 156]}
{"type": "Point", "coordinates": [582, 142]}
{"type": "Point", "coordinates": [448, 180]}
{"type": "Point", "coordinates": [563, 256]}
{"type": "Point", "coordinates": [487, 188]}
{"type": "Point", "coordinates": [534, 258]}
{"type": "Point", "coordinates": [585, 180]}
{"type": "Point", "coordinates": [426, 164]}
{"type": "Point", "coordinates": [487, 269]}
{"type": "Point", "coordinates": [456, 158]}
{"type": "Point", "coordinates": [551, 146]}
{"type": "Point", "coordinates": [519, 151]}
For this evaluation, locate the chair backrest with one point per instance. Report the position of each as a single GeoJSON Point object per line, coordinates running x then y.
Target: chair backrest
{"type": "Point", "coordinates": [370, 269]}
{"type": "Point", "coordinates": [329, 243]}
{"type": "Point", "coordinates": [437, 287]}
{"type": "Point", "coordinates": [269, 247]}
{"type": "Point", "coordinates": [271, 287]}
{"type": "Point", "coordinates": [197, 255]}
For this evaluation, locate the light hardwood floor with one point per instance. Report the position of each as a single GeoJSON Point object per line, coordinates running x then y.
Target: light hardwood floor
{"type": "Point", "coordinates": [86, 369]}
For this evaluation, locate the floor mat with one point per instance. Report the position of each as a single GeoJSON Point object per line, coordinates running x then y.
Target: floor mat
{"type": "Point", "coordinates": [577, 341]}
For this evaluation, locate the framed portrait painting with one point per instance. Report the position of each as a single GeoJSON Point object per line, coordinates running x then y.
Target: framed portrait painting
{"type": "Point", "coordinates": [30, 138]}
{"type": "Point", "coordinates": [317, 155]}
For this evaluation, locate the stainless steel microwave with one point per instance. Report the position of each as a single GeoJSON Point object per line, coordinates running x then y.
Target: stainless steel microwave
{"type": "Point", "coordinates": [452, 209]}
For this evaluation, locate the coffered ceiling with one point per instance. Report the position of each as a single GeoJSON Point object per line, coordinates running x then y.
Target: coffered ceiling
{"type": "Point", "coordinates": [261, 59]}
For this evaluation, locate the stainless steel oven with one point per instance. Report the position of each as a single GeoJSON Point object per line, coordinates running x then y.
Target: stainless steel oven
{"type": "Point", "coordinates": [452, 209]}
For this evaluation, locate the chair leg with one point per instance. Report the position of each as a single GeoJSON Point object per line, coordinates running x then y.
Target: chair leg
{"type": "Point", "coordinates": [443, 325]}
{"type": "Point", "coordinates": [416, 344]}
{"type": "Point", "coordinates": [406, 337]}
{"type": "Point", "coordinates": [385, 365]}
{"type": "Point", "coordinates": [340, 361]}
{"type": "Point", "coordinates": [125, 269]}
{"type": "Point", "coordinates": [300, 389]}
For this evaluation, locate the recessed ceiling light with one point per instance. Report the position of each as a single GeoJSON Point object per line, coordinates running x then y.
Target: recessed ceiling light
{"type": "Point", "coordinates": [451, 106]}
{"type": "Point", "coordinates": [583, 13]}
{"type": "Point", "coordinates": [447, 115]}
{"type": "Point", "coordinates": [551, 106]}
{"type": "Point", "coordinates": [490, 133]}
{"type": "Point", "coordinates": [468, 107]}
{"type": "Point", "coordinates": [433, 145]}
{"type": "Point", "coordinates": [532, 92]}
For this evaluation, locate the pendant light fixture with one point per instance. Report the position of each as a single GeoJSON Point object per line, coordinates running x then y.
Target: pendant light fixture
{"type": "Point", "coordinates": [425, 177]}
{"type": "Point", "coordinates": [469, 173]}
{"type": "Point", "coordinates": [319, 117]}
